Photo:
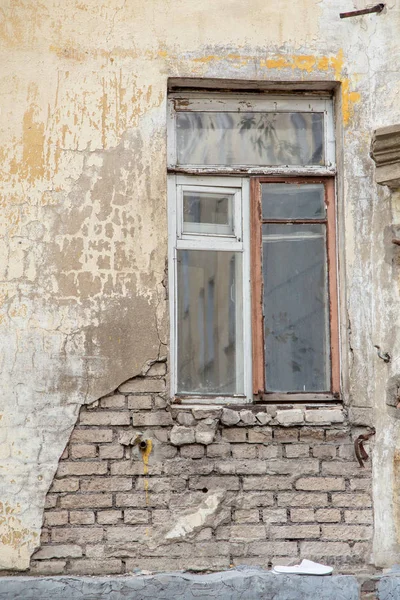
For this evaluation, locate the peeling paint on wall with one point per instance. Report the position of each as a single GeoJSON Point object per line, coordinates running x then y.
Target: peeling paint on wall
{"type": "Point", "coordinates": [83, 196]}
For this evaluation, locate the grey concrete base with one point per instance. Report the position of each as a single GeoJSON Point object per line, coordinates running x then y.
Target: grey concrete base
{"type": "Point", "coordinates": [389, 588]}
{"type": "Point", "coordinates": [237, 584]}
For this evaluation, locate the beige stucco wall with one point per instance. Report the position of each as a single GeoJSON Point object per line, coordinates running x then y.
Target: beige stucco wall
{"type": "Point", "coordinates": [83, 199]}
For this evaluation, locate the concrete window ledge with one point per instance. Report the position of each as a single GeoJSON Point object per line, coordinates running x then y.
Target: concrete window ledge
{"type": "Point", "coordinates": [237, 584]}
{"type": "Point", "coordinates": [385, 151]}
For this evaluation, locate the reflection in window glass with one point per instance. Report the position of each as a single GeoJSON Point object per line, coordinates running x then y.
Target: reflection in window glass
{"type": "Point", "coordinates": [210, 332]}
{"type": "Point", "coordinates": [293, 201]}
{"type": "Point", "coordinates": [207, 212]}
{"type": "Point", "coordinates": [296, 314]}
{"type": "Point", "coordinates": [253, 138]}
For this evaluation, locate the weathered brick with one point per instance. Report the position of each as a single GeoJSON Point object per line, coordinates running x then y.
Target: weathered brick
{"type": "Point", "coordinates": [95, 551]}
{"type": "Point", "coordinates": [259, 435]}
{"type": "Point", "coordinates": [314, 550]}
{"type": "Point", "coordinates": [161, 484]}
{"type": "Point", "coordinates": [294, 532]}
{"type": "Point", "coordinates": [127, 533]}
{"type": "Point", "coordinates": [83, 451]}
{"type": "Point", "coordinates": [352, 500]}
{"type": "Point", "coordinates": [302, 515]}
{"type": "Point", "coordinates": [327, 515]}
{"type": "Point", "coordinates": [361, 416]}
{"type": "Point", "coordinates": [55, 517]}
{"type": "Point", "coordinates": [51, 501]}
{"type": "Point", "coordinates": [247, 532]}
{"type": "Point", "coordinates": [267, 483]}
{"type": "Point", "coordinates": [324, 451]}
{"type": "Point", "coordinates": [221, 450]}
{"type": "Point", "coordinates": [292, 466]}
{"type": "Point", "coordinates": [242, 467]}
{"type": "Point", "coordinates": [247, 516]}
{"type": "Point", "coordinates": [234, 435]}
{"type": "Point", "coordinates": [192, 451]}
{"type": "Point", "coordinates": [274, 515]}
{"type": "Point", "coordinates": [267, 451]}
{"type": "Point", "coordinates": [302, 499]}
{"type": "Point", "coordinates": [65, 485]}
{"type": "Point", "coordinates": [152, 418]}
{"type": "Point", "coordinates": [48, 567]}
{"type": "Point", "coordinates": [136, 516]}
{"type": "Point", "coordinates": [157, 369]}
{"type": "Point", "coordinates": [362, 485]}
{"type": "Point", "coordinates": [286, 435]}
{"type": "Point", "coordinates": [320, 484]}
{"type": "Point", "coordinates": [106, 484]}
{"type": "Point", "coordinates": [186, 466]}
{"type": "Point", "coordinates": [80, 535]}
{"type": "Point", "coordinates": [129, 467]}
{"type": "Point", "coordinates": [214, 483]}
{"type": "Point", "coordinates": [81, 468]}
{"type": "Point", "coordinates": [86, 501]}
{"type": "Point", "coordinates": [252, 499]}
{"type": "Point", "coordinates": [115, 401]}
{"type": "Point", "coordinates": [344, 468]}
{"type": "Point", "coordinates": [86, 566]}
{"type": "Point", "coordinates": [358, 516]}
{"type": "Point", "coordinates": [142, 500]}
{"type": "Point", "coordinates": [139, 402]}
{"type": "Point", "coordinates": [111, 451]}
{"type": "Point", "coordinates": [109, 517]}
{"type": "Point", "coordinates": [105, 417]}
{"type": "Point", "coordinates": [244, 451]}
{"type": "Point", "coordinates": [91, 436]}
{"type": "Point", "coordinates": [141, 385]}
{"type": "Point", "coordinates": [160, 517]}
{"type": "Point", "coordinates": [81, 517]}
{"type": "Point", "coordinates": [165, 563]}
{"type": "Point", "coordinates": [346, 532]}
{"type": "Point", "coordinates": [160, 402]}
{"type": "Point", "coordinates": [346, 452]}
{"type": "Point", "coordinates": [290, 417]}
{"type": "Point", "coordinates": [296, 450]}
{"type": "Point", "coordinates": [269, 548]}
{"type": "Point", "coordinates": [340, 436]}
{"type": "Point", "coordinates": [308, 434]}
{"type": "Point", "coordinates": [324, 415]}
{"type": "Point", "coordinates": [60, 551]}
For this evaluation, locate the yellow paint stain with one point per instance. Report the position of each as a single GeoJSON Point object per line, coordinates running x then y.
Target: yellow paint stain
{"type": "Point", "coordinates": [145, 457]}
{"type": "Point", "coordinates": [11, 531]}
{"type": "Point", "coordinates": [310, 64]}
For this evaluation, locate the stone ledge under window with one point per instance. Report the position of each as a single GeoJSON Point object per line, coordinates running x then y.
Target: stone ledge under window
{"type": "Point", "coordinates": [255, 415]}
{"type": "Point", "coordinates": [385, 152]}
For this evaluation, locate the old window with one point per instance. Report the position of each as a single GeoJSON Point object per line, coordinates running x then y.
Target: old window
{"type": "Point", "coordinates": [252, 248]}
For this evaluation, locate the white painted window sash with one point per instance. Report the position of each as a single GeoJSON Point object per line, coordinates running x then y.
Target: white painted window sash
{"type": "Point", "coordinates": [238, 243]}
{"type": "Point", "coordinates": [196, 101]}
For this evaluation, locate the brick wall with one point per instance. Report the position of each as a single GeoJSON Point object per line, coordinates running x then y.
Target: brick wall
{"type": "Point", "coordinates": [144, 485]}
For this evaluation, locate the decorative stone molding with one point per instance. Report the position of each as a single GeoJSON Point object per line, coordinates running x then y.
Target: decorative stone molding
{"type": "Point", "coordinates": [385, 151]}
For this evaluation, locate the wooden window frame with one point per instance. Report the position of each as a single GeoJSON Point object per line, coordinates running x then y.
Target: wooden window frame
{"type": "Point", "coordinates": [256, 222]}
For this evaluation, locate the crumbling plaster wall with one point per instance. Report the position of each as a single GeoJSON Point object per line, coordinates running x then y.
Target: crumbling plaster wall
{"type": "Point", "coordinates": [83, 195]}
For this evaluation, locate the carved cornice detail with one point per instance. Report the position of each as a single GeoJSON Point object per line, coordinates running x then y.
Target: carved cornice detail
{"type": "Point", "coordinates": [385, 151]}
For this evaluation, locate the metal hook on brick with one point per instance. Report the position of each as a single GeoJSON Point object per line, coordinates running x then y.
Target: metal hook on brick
{"type": "Point", "coordinates": [361, 453]}
{"type": "Point", "coordinates": [385, 356]}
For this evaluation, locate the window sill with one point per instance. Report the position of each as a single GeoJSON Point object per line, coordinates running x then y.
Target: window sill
{"type": "Point", "coordinates": [282, 415]}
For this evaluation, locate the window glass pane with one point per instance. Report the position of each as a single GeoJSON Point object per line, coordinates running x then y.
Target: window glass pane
{"type": "Point", "coordinates": [293, 201]}
{"type": "Point", "coordinates": [207, 212]}
{"type": "Point", "coordinates": [210, 355]}
{"type": "Point", "coordinates": [297, 354]}
{"type": "Point", "coordinates": [254, 138]}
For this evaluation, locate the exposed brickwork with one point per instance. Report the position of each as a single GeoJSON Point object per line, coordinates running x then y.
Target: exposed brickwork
{"type": "Point", "coordinates": [283, 490]}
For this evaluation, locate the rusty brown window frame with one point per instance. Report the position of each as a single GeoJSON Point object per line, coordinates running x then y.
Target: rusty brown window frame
{"type": "Point", "coordinates": [259, 383]}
